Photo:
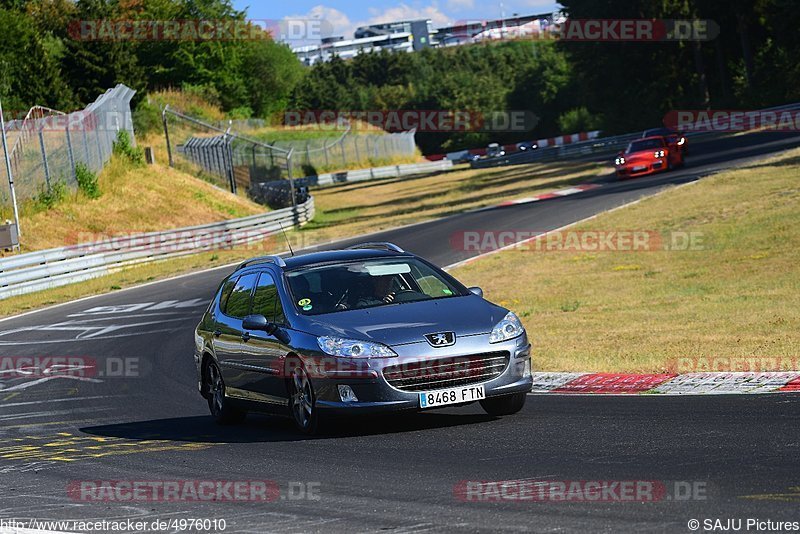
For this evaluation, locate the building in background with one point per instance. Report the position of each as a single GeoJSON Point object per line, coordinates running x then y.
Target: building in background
{"type": "Point", "coordinates": [415, 35]}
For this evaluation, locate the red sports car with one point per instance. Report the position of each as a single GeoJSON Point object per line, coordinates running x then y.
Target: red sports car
{"type": "Point", "coordinates": [647, 156]}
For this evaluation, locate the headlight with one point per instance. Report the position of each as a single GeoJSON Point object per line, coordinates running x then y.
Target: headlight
{"type": "Point", "coordinates": [682, 140]}
{"type": "Point", "coordinates": [508, 328]}
{"type": "Point", "coordinates": [658, 154]}
{"type": "Point", "coordinates": [352, 348]}
{"type": "Point", "coordinates": [620, 161]}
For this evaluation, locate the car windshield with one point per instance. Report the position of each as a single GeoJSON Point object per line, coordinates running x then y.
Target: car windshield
{"type": "Point", "coordinates": [644, 144]}
{"type": "Point", "coordinates": [368, 284]}
{"type": "Point", "coordinates": [657, 131]}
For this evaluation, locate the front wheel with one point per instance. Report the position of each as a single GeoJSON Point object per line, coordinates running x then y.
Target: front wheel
{"type": "Point", "coordinates": [505, 405]}
{"type": "Point", "coordinates": [302, 401]}
{"type": "Point", "coordinates": [223, 412]}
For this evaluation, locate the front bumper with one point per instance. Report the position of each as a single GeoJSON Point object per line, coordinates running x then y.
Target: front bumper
{"type": "Point", "coordinates": [375, 394]}
{"type": "Point", "coordinates": [641, 169]}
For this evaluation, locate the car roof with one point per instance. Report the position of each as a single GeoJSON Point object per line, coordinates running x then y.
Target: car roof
{"type": "Point", "coordinates": [657, 131]}
{"type": "Point", "coordinates": [326, 256]}
{"type": "Point", "coordinates": [659, 137]}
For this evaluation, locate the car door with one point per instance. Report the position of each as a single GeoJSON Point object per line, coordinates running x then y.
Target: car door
{"type": "Point", "coordinates": [264, 354]}
{"type": "Point", "coordinates": [228, 334]}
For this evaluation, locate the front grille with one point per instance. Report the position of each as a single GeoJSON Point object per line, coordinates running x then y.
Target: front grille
{"type": "Point", "coordinates": [447, 372]}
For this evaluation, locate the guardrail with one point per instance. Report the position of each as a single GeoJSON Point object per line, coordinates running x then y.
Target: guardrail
{"type": "Point", "coordinates": [601, 147]}
{"type": "Point", "coordinates": [389, 171]}
{"type": "Point", "coordinates": [56, 267]}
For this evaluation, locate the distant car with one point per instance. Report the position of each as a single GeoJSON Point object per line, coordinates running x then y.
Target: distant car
{"type": "Point", "coordinates": [467, 158]}
{"type": "Point", "coordinates": [494, 150]}
{"type": "Point", "coordinates": [647, 156]}
{"type": "Point", "coordinates": [674, 138]}
{"type": "Point", "coordinates": [523, 147]}
{"type": "Point", "coordinates": [369, 329]}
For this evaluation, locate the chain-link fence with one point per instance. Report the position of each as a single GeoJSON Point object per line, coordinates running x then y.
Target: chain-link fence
{"type": "Point", "coordinates": [47, 145]}
{"type": "Point", "coordinates": [241, 163]}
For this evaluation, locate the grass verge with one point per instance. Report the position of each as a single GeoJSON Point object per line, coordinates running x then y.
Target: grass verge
{"type": "Point", "coordinates": [737, 294]}
{"type": "Point", "coordinates": [342, 211]}
{"type": "Point", "coordinates": [371, 206]}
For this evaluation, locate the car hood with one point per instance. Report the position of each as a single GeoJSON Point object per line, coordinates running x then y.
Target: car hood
{"type": "Point", "coordinates": [398, 324]}
{"type": "Point", "coordinates": [640, 156]}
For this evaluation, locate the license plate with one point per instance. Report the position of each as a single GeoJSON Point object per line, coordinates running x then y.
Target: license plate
{"type": "Point", "coordinates": [639, 168]}
{"type": "Point", "coordinates": [442, 397]}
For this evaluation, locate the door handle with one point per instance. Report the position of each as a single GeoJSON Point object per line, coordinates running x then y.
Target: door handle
{"type": "Point", "coordinates": [246, 336]}
{"type": "Point", "coordinates": [217, 333]}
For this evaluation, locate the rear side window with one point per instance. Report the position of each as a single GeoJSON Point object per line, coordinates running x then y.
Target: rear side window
{"type": "Point", "coordinates": [266, 301]}
{"type": "Point", "coordinates": [225, 291]}
{"type": "Point", "coordinates": [238, 302]}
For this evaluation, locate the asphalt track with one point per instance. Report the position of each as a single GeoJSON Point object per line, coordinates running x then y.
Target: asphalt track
{"type": "Point", "coordinates": [139, 417]}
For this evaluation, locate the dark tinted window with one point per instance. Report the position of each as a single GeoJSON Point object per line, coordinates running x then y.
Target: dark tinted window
{"type": "Point", "coordinates": [238, 304]}
{"type": "Point", "coordinates": [227, 287]}
{"type": "Point", "coordinates": [266, 301]}
{"type": "Point", "coordinates": [368, 283]}
{"type": "Point", "coordinates": [645, 144]}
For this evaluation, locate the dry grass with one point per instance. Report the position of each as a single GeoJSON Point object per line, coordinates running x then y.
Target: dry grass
{"type": "Point", "coordinates": [416, 199]}
{"type": "Point", "coordinates": [133, 200]}
{"type": "Point", "coordinates": [633, 311]}
{"type": "Point", "coordinates": [371, 206]}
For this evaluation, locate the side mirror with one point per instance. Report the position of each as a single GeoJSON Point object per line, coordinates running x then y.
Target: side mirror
{"type": "Point", "coordinates": [259, 322]}
{"type": "Point", "coordinates": [476, 291]}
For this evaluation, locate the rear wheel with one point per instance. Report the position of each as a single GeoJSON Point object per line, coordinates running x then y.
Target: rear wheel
{"type": "Point", "coordinates": [505, 405]}
{"type": "Point", "coordinates": [221, 408]}
{"type": "Point", "coordinates": [302, 400]}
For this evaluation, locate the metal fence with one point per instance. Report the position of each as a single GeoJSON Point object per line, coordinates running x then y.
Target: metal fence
{"type": "Point", "coordinates": [237, 161]}
{"type": "Point", "coordinates": [56, 267]}
{"type": "Point", "coordinates": [45, 147]}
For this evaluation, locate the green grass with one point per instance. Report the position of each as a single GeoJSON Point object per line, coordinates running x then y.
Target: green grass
{"type": "Point", "coordinates": [735, 295]}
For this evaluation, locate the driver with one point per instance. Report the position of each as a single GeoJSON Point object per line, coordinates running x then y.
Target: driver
{"type": "Point", "coordinates": [381, 292]}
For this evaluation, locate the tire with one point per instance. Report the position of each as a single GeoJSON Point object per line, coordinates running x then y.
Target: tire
{"type": "Point", "coordinates": [221, 408]}
{"type": "Point", "coordinates": [505, 405]}
{"type": "Point", "coordinates": [302, 400]}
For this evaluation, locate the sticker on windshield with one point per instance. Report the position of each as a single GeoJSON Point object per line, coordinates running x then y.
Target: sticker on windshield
{"type": "Point", "coordinates": [307, 307]}
{"type": "Point", "coordinates": [304, 302]}
{"type": "Point", "coordinates": [447, 292]}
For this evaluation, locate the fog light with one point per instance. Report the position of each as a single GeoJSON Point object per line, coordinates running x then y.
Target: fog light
{"type": "Point", "coordinates": [347, 394]}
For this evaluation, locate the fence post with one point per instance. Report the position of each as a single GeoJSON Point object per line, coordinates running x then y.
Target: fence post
{"type": "Point", "coordinates": [44, 159]}
{"type": "Point", "coordinates": [289, 159]}
{"type": "Point", "coordinates": [344, 156]}
{"type": "Point", "coordinates": [355, 145]}
{"type": "Point", "coordinates": [166, 134]}
{"type": "Point", "coordinates": [86, 146]}
{"type": "Point", "coordinates": [325, 151]}
{"type": "Point", "coordinates": [71, 155]}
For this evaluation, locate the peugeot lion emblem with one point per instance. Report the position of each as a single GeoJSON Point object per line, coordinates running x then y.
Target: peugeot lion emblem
{"type": "Point", "coordinates": [441, 339]}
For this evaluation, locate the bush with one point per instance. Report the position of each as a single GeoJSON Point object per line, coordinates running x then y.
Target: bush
{"type": "Point", "coordinates": [124, 148]}
{"type": "Point", "coordinates": [578, 120]}
{"type": "Point", "coordinates": [240, 113]}
{"type": "Point", "coordinates": [49, 197]}
{"type": "Point", "coordinates": [87, 180]}
{"type": "Point", "coordinates": [146, 118]}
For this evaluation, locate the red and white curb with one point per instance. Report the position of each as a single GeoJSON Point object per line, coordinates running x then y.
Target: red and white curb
{"type": "Point", "coordinates": [666, 384]}
{"type": "Point", "coordinates": [547, 196]}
